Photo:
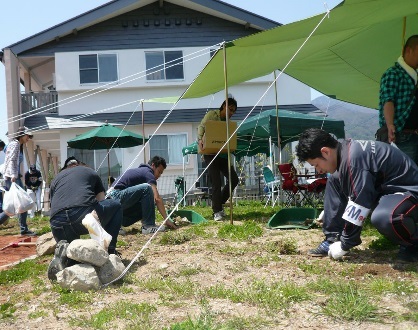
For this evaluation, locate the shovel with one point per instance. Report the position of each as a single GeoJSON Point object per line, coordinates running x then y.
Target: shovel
{"type": "Point", "coordinates": [24, 242]}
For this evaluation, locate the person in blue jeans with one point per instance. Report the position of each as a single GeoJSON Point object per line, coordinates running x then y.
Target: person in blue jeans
{"type": "Point", "coordinates": [137, 191]}
{"type": "Point", "coordinates": [14, 157]}
{"type": "Point", "coordinates": [75, 193]}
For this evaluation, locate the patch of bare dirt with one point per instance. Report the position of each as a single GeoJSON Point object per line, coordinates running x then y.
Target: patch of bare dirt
{"type": "Point", "coordinates": [234, 265]}
{"type": "Point", "coordinates": [14, 248]}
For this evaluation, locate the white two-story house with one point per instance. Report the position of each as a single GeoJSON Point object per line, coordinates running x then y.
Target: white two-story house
{"type": "Point", "coordinates": [109, 64]}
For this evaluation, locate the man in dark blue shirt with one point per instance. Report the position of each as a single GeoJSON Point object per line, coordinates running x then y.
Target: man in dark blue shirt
{"type": "Point", "coordinates": [137, 191]}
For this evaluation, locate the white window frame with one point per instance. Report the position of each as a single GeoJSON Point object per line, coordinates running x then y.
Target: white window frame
{"type": "Point", "coordinates": [98, 55]}
{"type": "Point", "coordinates": [163, 66]}
{"type": "Point", "coordinates": [152, 153]}
{"type": "Point", "coordinates": [100, 161]}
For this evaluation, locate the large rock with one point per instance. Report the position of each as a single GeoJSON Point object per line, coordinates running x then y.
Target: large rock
{"type": "Point", "coordinates": [45, 244]}
{"type": "Point", "coordinates": [87, 251]}
{"type": "Point", "coordinates": [111, 269]}
{"type": "Point", "coordinates": [79, 277]}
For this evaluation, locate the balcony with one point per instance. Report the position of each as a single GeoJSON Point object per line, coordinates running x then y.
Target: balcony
{"type": "Point", "coordinates": [46, 102]}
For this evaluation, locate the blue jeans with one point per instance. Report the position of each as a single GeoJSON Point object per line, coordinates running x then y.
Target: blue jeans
{"type": "Point", "coordinates": [67, 224]}
{"type": "Point", "coordinates": [408, 143]}
{"type": "Point", "coordinates": [22, 216]}
{"type": "Point", "coordinates": [137, 204]}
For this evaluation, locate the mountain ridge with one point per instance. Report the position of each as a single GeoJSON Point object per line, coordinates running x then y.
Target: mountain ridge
{"type": "Point", "coordinates": [360, 122]}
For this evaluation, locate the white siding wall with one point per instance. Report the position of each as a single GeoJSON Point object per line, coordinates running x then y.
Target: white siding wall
{"type": "Point", "coordinates": [125, 95]}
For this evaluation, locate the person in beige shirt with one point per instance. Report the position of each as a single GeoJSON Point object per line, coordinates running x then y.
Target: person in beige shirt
{"type": "Point", "coordinates": [219, 165]}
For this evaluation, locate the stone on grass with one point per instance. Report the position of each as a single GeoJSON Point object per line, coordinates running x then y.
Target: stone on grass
{"type": "Point", "coordinates": [87, 251]}
{"type": "Point", "coordinates": [79, 277]}
{"type": "Point", "coordinates": [111, 269]}
{"type": "Point", "coordinates": [45, 244]}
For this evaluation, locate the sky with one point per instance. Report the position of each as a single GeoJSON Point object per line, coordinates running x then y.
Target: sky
{"type": "Point", "coordinates": [22, 18]}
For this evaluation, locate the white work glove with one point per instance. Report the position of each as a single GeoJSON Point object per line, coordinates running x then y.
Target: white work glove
{"type": "Point", "coordinates": [335, 251]}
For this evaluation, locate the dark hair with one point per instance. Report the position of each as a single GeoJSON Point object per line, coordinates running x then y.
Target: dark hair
{"type": "Point", "coordinates": [311, 141]}
{"type": "Point", "coordinates": [70, 161]}
{"type": "Point", "coordinates": [2, 144]}
{"type": "Point", "coordinates": [231, 101]}
{"type": "Point", "coordinates": [157, 161]}
{"type": "Point", "coordinates": [412, 42]}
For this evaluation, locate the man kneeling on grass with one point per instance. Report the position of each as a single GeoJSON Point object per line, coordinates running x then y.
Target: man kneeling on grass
{"type": "Point", "coordinates": [77, 194]}
{"type": "Point", "coordinates": [136, 190]}
{"type": "Point", "coordinates": [366, 175]}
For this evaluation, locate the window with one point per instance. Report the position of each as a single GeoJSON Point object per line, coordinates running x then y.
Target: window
{"type": "Point", "coordinates": [164, 65]}
{"type": "Point", "coordinates": [98, 68]}
{"type": "Point", "coordinates": [169, 147]}
{"type": "Point", "coordinates": [97, 160]}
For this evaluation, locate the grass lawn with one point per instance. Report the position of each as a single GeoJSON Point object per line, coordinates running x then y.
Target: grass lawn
{"type": "Point", "coordinates": [217, 275]}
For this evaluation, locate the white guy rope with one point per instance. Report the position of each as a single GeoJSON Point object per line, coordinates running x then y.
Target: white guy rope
{"type": "Point", "coordinates": [227, 141]}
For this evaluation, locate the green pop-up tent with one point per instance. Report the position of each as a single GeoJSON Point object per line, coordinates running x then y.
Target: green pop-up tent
{"type": "Point", "coordinates": [345, 56]}
{"type": "Point", "coordinates": [264, 126]}
{"type": "Point", "coordinates": [244, 148]}
{"type": "Point", "coordinates": [254, 134]}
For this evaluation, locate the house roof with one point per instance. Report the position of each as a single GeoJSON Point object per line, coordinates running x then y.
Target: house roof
{"type": "Point", "coordinates": [118, 7]}
{"type": "Point", "coordinates": [54, 121]}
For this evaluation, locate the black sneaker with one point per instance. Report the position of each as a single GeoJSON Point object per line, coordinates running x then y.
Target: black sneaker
{"type": "Point", "coordinates": [28, 233]}
{"type": "Point", "coordinates": [115, 252]}
{"type": "Point", "coordinates": [60, 260]}
{"type": "Point", "coordinates": [321, 250]}
{"type": "Point", "coordinates": [407, 254]}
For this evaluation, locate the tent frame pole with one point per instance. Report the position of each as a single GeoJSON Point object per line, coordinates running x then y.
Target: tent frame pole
{"type": "Point", "coordinates": [279, 142]}
{"type": "Point", "coordinates": [143, 130]}
{"type": "Point", "coordinates": [227, 135]}
{"type": "Point", "coordinates": [108, 169]}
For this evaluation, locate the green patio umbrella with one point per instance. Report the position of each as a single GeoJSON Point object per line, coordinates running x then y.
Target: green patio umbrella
{"type": "Point", "coordinates": [105, 137]}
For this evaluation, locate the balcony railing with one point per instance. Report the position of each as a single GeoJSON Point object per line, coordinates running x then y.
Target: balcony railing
{"type": "Point", "coordinates": [45, 102]}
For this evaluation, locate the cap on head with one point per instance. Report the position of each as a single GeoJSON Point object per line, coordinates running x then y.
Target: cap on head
{"type": "Point", "coordinates": [70, 161]}
{"type": "Point", "coordinates": [22, 131]}
{"type": "Point", "coordinates": [32, 168]}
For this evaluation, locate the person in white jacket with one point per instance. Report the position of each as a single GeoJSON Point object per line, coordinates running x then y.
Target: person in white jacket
{"type": "Point", "coordinates": [12, 173]}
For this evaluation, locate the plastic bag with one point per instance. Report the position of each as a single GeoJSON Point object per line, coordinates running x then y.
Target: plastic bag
{"type": "Point", "coordinates": [16, 200]}
{"type": "Point", "coordinates": [96, 231]}
{"type": "Point", "coordinates": [23, 201]}
{"type": "Point", "coordinates": [32, 195]}
{"type": "Point", "coordinates": [8, 203]}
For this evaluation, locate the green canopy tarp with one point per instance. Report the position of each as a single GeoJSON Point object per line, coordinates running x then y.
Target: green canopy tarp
{"type": "Point", "coordinates": [253, 135]}
{"type": "Point", "coordinates": [345, 57]}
